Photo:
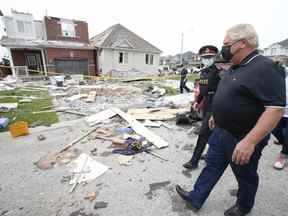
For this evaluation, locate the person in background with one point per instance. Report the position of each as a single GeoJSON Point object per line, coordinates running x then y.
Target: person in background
{"type": "Point", "coordinates": [281, 131]}
{"type": "Point", "coordinates": [209, 78]}
{"type": "Point", "coordinates": [183, 80]}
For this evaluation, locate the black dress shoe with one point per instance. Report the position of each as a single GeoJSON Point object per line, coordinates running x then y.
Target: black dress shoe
{"type": "Point", "coordinates": [190, 165]}
{"type": "Point", "coordinates": [235, 211]}
{"type": "Point", "coordinates": [185, 196]}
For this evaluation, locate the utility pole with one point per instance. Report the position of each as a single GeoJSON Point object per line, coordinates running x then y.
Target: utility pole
{"type": "Point", "coordinates": [181, 54]}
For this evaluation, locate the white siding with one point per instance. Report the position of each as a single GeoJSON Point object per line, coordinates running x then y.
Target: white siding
{"type": "Point", "coordinates": [29, 30]}
{"type": "Point", "coordinates": [275, 50]}
{"type": "Point", "coordinates": [109, 61]}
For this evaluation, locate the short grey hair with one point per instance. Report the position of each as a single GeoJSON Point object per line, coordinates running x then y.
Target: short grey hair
{"type": "Point", "coordinates": [244, 31]}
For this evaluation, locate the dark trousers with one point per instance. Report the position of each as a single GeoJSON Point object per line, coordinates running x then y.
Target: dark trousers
{"type": "Point", "coordinates": [202, 140]}
{"type": "Point", "coordinates": [221, 147]}
{"type": "Point", "coordinates": [183, 86]}
{"type": "Point", "coordinates": [281, 133]}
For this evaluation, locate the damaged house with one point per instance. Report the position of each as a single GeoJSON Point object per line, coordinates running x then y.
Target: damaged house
{"type": "Point", "coordinates": [50, 45]}
{"type": "Point", "coordinates": [123, 52]}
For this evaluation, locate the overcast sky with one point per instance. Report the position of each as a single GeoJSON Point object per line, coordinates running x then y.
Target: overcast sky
{"type": "Point", "coordinates": [161, 22]}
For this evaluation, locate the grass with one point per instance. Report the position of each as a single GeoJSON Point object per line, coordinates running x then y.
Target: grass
{"type": "Point", "coordinates": [169, 90]}
{"type": "Point", "coordinates": [191, 77]}
{"type": "Point", "coordinates": [24, 112]}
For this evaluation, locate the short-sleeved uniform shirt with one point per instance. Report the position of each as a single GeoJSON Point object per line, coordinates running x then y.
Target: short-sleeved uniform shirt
{"type": "Point", "coordinates": [209, 79]}
{"type": "Point", "coordinates": [244, 92]}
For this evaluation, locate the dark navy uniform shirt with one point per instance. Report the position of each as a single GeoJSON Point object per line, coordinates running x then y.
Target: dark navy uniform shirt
{"type": "Point", "coordinates": [244, 92]}
{"type": "Point", "coordinates": [209, 79]}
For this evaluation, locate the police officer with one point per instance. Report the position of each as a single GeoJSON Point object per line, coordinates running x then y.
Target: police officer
{"type": "Point", "coordinates": [248, 104]}
{"type": "Point", "coordinates": [183, 80]}
{"type": "Point", "coordinates": [209, 78]}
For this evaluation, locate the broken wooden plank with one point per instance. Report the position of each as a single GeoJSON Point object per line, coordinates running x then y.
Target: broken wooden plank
{"type": "Point", "coordinates": [99, 117]}
{"type": "Point", "coordinates": [137, 80]}
{"type": "Point", "coordinates": [91, 97]}
{"type": "Point", "coordinates": [142, 130]}
{"type": "Point", "coordinates": [44, 111]}
{"type": "Point", "coordinates": [77, 140]}
{"type": "Point", "coordinates": [73, 112]}
{"type": "Point", "coordinates": [7, 107]}
{"type": "Point", "coordinates": [157, 114]}
{"type": "Point", "coordinates": [148, 123]}
{"type": "Point", "coordinates": [75, 97]}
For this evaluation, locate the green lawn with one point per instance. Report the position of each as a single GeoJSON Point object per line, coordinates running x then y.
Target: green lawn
{"type": "Point", "coordinates": [191, 77]}
{"type": "Point", "coordinates": [24, 112]}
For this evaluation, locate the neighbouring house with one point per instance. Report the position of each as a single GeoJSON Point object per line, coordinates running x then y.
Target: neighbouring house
{"type": "Point", "coordinates": [50, 45]}
{"type": "Point", "coordinates": [120, 52]}
{"type": "Point", "coordinates": [188, 58]}
{"type": "Point", "coordinates": [278, 51]}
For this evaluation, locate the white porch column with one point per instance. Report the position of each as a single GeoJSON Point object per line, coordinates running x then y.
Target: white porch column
{"type": "Point", "coordinates": [11, 62]}
{"type": "Point", "coordinates": [44, 61]}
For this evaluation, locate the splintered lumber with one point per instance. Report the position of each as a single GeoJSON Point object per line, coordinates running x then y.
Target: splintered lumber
{"type": "Point", "coordinates": [99, 117]}
{"type": "Point", "coordinates": [91, 97]}
{"type": "Point", "coordinates": [73, 112]}
{"type": "Point", "coordinates": [137, 80]}
{"type": "Point", "coordinates": [75, 97]}
{"type": "Point", "coordinates": [77, 140]}
{"type": "Point", "coordinates": [142, 130]}
{"type": "Point", "coordinates": [157, 114]}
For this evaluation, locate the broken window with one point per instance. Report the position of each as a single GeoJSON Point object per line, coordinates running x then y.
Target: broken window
{"type": "Point", "coordinates": [68, 29]}
{"type": "Point", "coordinates": [149, 59]}
{"type": "Point", "coordinates": [123, 58]}
{"type": "Point", "coordinates": [20, 26]}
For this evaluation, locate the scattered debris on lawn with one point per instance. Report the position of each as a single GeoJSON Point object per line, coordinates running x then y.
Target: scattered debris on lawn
{"type": "Point", "coordinates": [85, 169]}
{"type": "Point", "coordinates": [7, 107]}
{"type": "Point", "coordinates": [4, 122]}
{"type": "Point", "coordinates": [19, 128]}
{"type": "Point", "coordinates": [98, 205]}
{"type": "Point", "coordinates": [91, 196]}
{"type": "Point", "coordinates": [156, 186]}
{"type": "Point", "coordinates": [158, 114]}
{"type": "Point", "coordinates": [41, 137]}
{"type": "Point", "coordinates": [51, 160]}
{"type": "Point", "coordinates": [125, 160]}
{"type": "Point", "coordinates": [124, 116]}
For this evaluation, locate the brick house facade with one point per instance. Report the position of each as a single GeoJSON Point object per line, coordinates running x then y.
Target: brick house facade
{"type": "Point", "coordinates": [51, 45]}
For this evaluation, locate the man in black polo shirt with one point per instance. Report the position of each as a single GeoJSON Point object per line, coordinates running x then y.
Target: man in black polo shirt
{"type": "Point", "coordinates": [248, 104]}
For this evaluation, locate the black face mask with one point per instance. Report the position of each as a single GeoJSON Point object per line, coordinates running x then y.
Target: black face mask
{"type": "Point", "coordinates": [226, 53]}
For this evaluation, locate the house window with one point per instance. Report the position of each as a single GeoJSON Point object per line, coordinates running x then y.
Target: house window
{"type": "Point", "coordinates": [20, 26]}
{"type": "Point", "coordinates": [68, 29]}
{"type": "Point", "coordinates": [24, 26]}
{"type": "Point", "coordinates": [28, 27]}
{"type": "Point", "coordinates": [123, 58]}
{"type": "Point", "coordinates": [149, 59]}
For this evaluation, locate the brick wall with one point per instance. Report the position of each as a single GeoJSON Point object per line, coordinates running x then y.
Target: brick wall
{"type": "Point", "coordinates": [54, 32]}
{"type": "Point", "coordinates": [18, 56]}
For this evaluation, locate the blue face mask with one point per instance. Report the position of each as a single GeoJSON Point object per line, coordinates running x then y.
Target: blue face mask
{"type": "Point", "coordinates": [207, 62]}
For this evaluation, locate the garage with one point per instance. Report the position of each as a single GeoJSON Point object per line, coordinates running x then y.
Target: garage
{"type": "Point", "coordinates": [72, 66]}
